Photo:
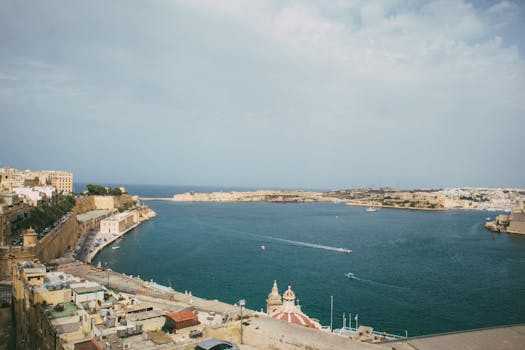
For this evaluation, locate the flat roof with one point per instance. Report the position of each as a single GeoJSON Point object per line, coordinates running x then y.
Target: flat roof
{"type": "Point", "coordinates": [141, 316]}
{"type": "Point", "coordinates": [92, 214]}
{"type": "Point", "coordinates": [70, 309]}
{"type": "Point", "coordinates": [138, 307]}
{"type": "Point", "coordinates": [34, 270]}
{"type": "Point", "coordinates": [84, 290]}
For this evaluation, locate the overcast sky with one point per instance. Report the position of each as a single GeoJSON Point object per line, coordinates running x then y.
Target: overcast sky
{"type": "Point", "coordinates": [310, 94]}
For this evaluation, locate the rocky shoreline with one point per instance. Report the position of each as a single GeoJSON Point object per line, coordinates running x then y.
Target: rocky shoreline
{"type": "Point", "coordinates": [490, 199]}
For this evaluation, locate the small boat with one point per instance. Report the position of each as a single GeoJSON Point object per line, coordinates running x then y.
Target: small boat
{"type": "Point", "coordinates": [371, 209]}
{"type": "Point", "coordinates": [263, 247]}
{"type": "Point", "coordinates": [487, 219]}
{"type": "Point", "coordinates": [349, 275]}
{"type": "Point", "coordinates": [115, 247]}
{"type": "Point", "coordinates": [346, 250]}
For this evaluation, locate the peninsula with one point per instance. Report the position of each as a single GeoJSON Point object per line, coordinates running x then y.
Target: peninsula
{"type": "Point", "coordinates": [490, 199]}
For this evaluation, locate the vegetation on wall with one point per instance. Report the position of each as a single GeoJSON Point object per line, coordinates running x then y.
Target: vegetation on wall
{"type": "Point", "coordinates": [97, 190]}
{"type": "Point", "coordinates": [44, 216]}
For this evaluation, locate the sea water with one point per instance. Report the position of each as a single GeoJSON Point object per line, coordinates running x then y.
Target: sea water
{"type": "Point", "coordinates": [419, 271]}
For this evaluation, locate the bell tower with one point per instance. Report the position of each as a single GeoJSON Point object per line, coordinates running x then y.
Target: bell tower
{"type": "Point", "coordinates": [274, 299]}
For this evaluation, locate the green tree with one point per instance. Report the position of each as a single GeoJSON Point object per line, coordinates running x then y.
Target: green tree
{"type": "Point", "coordinates": [115, 192]}
{"type": "Point", "coordinates": [96, 190]}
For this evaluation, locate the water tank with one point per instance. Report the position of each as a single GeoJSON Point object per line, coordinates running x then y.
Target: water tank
{"type": "Point", "coordinates": [145, 336]}
{"type": "Point", "coordinates": [130, 329]}
{"type": "Point", "coordinates": [121, 331]}
{"type": "Point", "coordinates": [58, 285]}
{"type": "Point", "coordinates": [51, 287]}
{"type": "Point", "coordinates": [111, 320]}
{"type": "Point", "coordinates": [123, 321]}
{"type": "Point", "coordinates": [139, 327]}
{"type": "Point", "coordinates": [103, 312]}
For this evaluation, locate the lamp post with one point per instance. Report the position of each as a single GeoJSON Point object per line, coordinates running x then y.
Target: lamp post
{"type": "Point", "coordinates": [108, 271]}
{"type": "Point", "coordinates": [242, 303]}
{"type": "Point", "coordinates": [331, 313]}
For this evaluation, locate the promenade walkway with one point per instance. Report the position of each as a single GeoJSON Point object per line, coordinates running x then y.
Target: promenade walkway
{"type": "Point", "coordinates": [501, 338]}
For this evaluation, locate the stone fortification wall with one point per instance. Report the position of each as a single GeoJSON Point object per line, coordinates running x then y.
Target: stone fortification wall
{"type": "Point", "coordinates": [12, 254]}
{"type": "Point", "coordinates": [83, 205]}
{"type": "Point", "coordinates": [89, 203]}
{"type": "Point", "coordinates": [58, 240]}
{"type": "Point", "coordinates": [104, 202]}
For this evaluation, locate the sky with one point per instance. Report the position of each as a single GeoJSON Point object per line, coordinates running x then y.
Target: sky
{"type": "Point", "coordinates": [266, 94]}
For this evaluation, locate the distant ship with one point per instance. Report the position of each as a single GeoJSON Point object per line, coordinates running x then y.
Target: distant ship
{"type": "Point", "coordinates": [349, 275]}
{"type": "Point", "coordinates": [371, 209]}
{"type": "Point", "coordinates": [115, 247]}
{"type": "Point", "coordinates": [263, 247]}
{"type": "Point", "coordinates": [346, 250]}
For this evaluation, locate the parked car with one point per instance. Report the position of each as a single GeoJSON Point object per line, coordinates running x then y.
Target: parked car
{"type": "Point", "coordinates": [216, 344]}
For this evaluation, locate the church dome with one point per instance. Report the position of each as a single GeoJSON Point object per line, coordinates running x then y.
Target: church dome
{"type": "Point", "coordinates": [289, 295]}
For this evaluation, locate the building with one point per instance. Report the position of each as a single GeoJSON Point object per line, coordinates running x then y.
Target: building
{"type": "Point", "coordinates": [117, 223]}
{"type": "Point", "coordinates": [55, 310]}
{"type": "Point", "coordinates": [12, 213]}
{"type": "Point", "coordinates": [61, 180]}
{"type": "Point", "coordinates": [10, 178]}
{"type": "Point", "coordinates": [180, 319]}
{"type": "Point", "coordinates": [34, 196]}
{"type": "Point", "coordinates": [287, 310]}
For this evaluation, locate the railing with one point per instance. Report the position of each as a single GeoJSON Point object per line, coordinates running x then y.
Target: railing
{"type": "Point", "coordinates": [351, 332]}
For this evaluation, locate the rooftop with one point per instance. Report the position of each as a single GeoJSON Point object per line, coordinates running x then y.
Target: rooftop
{"type": "Point", "coordinates": [92, 214]}
{"type": "Point", "coordinates": [84, 290]}
{"type": "Point", "coordinates": [141, 316]}
{"type": "Point", "coordinates": [69, 309]}
{"type": "Point", "coordinates": [180, 316]}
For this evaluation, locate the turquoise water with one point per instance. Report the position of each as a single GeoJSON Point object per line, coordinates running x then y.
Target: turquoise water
{"type": "Point", "coordinates": [424, 272]}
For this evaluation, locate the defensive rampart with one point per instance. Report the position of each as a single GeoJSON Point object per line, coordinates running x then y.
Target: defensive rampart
{"type": "Point", "coordinates": [58, 241]}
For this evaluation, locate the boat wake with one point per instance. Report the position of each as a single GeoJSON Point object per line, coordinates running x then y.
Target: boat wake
{"type": "Point", "coordinates": [282, 240]}
{"type": "Point", "coordinates": [380, 283]}
{"type": "Point", "coordinates": [309, 245]}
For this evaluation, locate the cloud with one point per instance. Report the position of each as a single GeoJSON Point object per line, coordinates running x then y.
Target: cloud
{"type": "Point", "coordinates": [312, 83]}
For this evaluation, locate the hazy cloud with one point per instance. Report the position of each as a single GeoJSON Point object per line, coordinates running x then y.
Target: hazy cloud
{"type": "Point", "coordinates": [266, 93]}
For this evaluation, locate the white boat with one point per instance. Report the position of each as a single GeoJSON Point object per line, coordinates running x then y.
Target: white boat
{"type": "Point", "coordinates": [487, 219]}
{"type": "Point", "coordinates": [346, 250]}
{"type": "Point", "coordinates": [115, 247]}
{"type": "Point", "coordinates": [371, 209]}
{"type": "Point", "coordinates": [263, 247]}
{"type": "Point", "coordinates": [349, 275]}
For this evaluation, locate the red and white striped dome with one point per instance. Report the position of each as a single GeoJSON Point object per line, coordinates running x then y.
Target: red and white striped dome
{"type": "Point", "coordinates": [289, 295]}
{"type": "Point", "coordinates": [297, 317]}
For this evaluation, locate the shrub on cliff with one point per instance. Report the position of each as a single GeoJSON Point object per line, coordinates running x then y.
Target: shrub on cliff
{"type": "Point", "coordinates": [96, 190]}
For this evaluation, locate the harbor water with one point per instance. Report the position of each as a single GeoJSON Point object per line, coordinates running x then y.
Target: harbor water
{"type": "Point", "coordinates": [416, 271]}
